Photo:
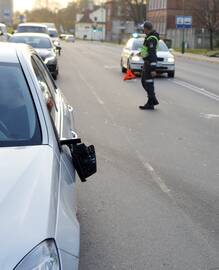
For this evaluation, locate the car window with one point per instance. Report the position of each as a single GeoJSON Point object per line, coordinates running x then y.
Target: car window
{"type": "Point", "coordinates": [32, 29]}
{"type": "Point", "coordinates": [19, 124]}
{"type": "Point", "coordinates": [138, 43]}
{"type": "Point", "coordinates": [35, 42]}
{"type": "Point", "coordinates": [162, 47]}
{"type": "Point", "coordinates": [48, 77]}
{"type": "Point", "coordinates": [45, 87]}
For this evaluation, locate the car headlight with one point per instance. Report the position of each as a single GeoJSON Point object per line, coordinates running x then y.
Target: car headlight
{"type": "Point", "coordinates": [50, 58]}
{"type": "Point", "coordinates": [170, 60]}
{"type": "Point", "coordinates": [136, 58]}
{"type": "Point", "coordinates": [43, 257]}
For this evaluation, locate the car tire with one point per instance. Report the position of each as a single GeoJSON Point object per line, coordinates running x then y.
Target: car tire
{"type": "Point", "coordinates": [171, 74]}
{"type": "Point", "coordinates": [123, 69]}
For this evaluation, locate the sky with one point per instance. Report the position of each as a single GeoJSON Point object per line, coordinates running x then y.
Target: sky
{"type": "Point", "coordinates": [28, 4]}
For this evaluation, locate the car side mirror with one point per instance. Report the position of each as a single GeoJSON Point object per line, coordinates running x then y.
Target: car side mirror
{"type": "Point", "coordinates": [83, 157]}
{"type": "Point", "coordinates": [171, 50]}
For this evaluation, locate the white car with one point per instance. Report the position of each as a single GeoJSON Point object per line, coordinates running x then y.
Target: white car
{"type": "Point", "coordinates": [70, 38]}
{"type": "Point", "coordinates": [39, 152]}
{"type": "Point", "coordinates": [130, 58]}
{"type": "Point", "coordinates": [32, 28]}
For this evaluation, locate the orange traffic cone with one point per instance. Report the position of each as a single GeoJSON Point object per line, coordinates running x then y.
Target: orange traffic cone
{"type": "Point", "coordinates": [129, 75]}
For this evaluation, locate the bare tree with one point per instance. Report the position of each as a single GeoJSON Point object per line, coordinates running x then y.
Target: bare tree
{"type": "Point", "coordinates": [206, 13]}
{"type": "Point", "coordinates": [138, 9]}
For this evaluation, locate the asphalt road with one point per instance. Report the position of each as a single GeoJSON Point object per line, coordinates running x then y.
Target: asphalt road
{"type": "Point", "coordinates": [154, 203]}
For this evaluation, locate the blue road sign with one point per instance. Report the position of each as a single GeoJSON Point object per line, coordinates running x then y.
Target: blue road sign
{"type": "Point", "coordinates": [183, 22]}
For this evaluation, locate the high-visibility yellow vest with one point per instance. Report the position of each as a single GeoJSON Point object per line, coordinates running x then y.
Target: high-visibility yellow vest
{"type": "Point", "coordinates": [144, 49]}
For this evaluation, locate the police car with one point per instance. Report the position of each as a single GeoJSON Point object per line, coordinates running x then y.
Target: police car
{"type": "Point", "coordinates": [130, 58]}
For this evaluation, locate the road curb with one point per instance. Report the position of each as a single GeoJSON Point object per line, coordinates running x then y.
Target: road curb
{"type": "Point", "coordinates": [201, 59]}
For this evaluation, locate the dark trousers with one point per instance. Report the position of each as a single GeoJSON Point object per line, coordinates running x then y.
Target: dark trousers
{"type": "Point", "coordinates": [148, 81]}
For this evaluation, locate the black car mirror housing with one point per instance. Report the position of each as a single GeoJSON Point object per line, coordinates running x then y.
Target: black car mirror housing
{"type": "Point", "coordinates": [83, 157]}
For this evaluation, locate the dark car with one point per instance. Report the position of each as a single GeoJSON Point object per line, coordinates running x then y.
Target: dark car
{"type": "Point", "coordinates": [43, 44]}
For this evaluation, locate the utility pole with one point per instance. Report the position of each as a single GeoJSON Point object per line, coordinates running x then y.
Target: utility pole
{"type": "Point", "coordinates": [183, 30]}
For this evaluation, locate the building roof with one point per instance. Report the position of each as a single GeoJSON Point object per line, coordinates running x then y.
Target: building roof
{"type": "Point", "coordinates": [86, 15]}
{"type": "Point", "coordinates": [86, 18]}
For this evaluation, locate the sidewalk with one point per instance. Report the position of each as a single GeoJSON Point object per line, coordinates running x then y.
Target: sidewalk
{"type": "Point", "coordinates": [197, 57]}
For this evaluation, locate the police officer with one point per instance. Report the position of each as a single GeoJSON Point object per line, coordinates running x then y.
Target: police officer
{"type": "Point", "coordinates": [149, 54]}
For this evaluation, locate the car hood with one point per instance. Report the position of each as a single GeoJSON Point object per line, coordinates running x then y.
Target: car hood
{"type": "Point", "coordinates": [27, 201]}
{"type": "Point", "coordinates": [164, 54]}
{"type": "Point", "coordinates": [160, 54]}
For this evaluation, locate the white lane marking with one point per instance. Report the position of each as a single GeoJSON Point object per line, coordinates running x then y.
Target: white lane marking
{"type": "Point", "coordinates": [209, 115]}
{"type": "Point", "coordinates": [111, 67]}
{"type": "Point", "coordinates": [97, 97]}
{"type": "Point", "coordinates": [198, 90]}
{"type": "Point", "coordinates": [155, 177]}
{"type": "Point", "coordinates": [99, 100]}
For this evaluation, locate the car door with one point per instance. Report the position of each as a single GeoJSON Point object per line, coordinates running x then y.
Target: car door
{"type": "Point", "coordinates": [67, 224]}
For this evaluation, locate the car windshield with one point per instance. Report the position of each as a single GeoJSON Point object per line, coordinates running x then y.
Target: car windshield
{"type": "Point", "coordinates": [35, 42]}
{"type": "Point", "coordinates": [53, 33]}
{"type": "Point", "coordinates": [19, 125]}
{"type": "Point", "coordinates": [138, 43]}
{"type": "Point", "coordinates": [162, 47]}
{"type": "Point", "coordinates": [32, 29]}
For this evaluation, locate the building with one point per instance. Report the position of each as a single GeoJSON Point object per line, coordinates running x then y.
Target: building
{"type": "Point", "coordinates": [164, 13]}
{"type": "Point", "coordinates": [6, 12]}
{"type": "Point", "coordinates": [91, 24]}
{"type": "Point", "coordinates": [119, 25]}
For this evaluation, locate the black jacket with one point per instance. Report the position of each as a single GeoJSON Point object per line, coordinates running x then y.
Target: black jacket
{"type": "Point", "coordinates": [151, 43]}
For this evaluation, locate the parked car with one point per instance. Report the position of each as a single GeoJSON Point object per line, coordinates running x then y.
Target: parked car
{"type": "Point", "coordinates": [32, 28]}
{"type": "Point", "coordinates": [43, 44]}
{"type": "Point", "coordinates": [49, 24]}
{"type": "Point", "coordinates": [39, 152]}
{"type": "Point", "coordinates": [70, 38]}
{"type": "Point", "coordinates": [62, 36]}
{"type": "Point", "coordinates": [130, 58]}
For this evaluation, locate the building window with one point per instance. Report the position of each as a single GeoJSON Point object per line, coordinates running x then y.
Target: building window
{"type": "Point", "coordinates": [157, 4]}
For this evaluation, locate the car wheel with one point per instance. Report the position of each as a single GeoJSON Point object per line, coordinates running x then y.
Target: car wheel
{"type": "Point", "coordinates": [123, 69]}
{"type": "Point", "coordinates": [171, 74]}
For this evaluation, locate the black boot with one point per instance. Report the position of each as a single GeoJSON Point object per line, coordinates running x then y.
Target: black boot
{"type": "Point", "coordinates": [155, 101]}
{"type": "Point", "coordinates": [148, 106]}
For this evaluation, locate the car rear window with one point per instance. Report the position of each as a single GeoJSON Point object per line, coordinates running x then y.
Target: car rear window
{"type": "Point", "coordinates": [32, 29]}
{"type": "Point", "coordinates": [35, 42]}
{"type": "Point", "coordinates": [19, 125]}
